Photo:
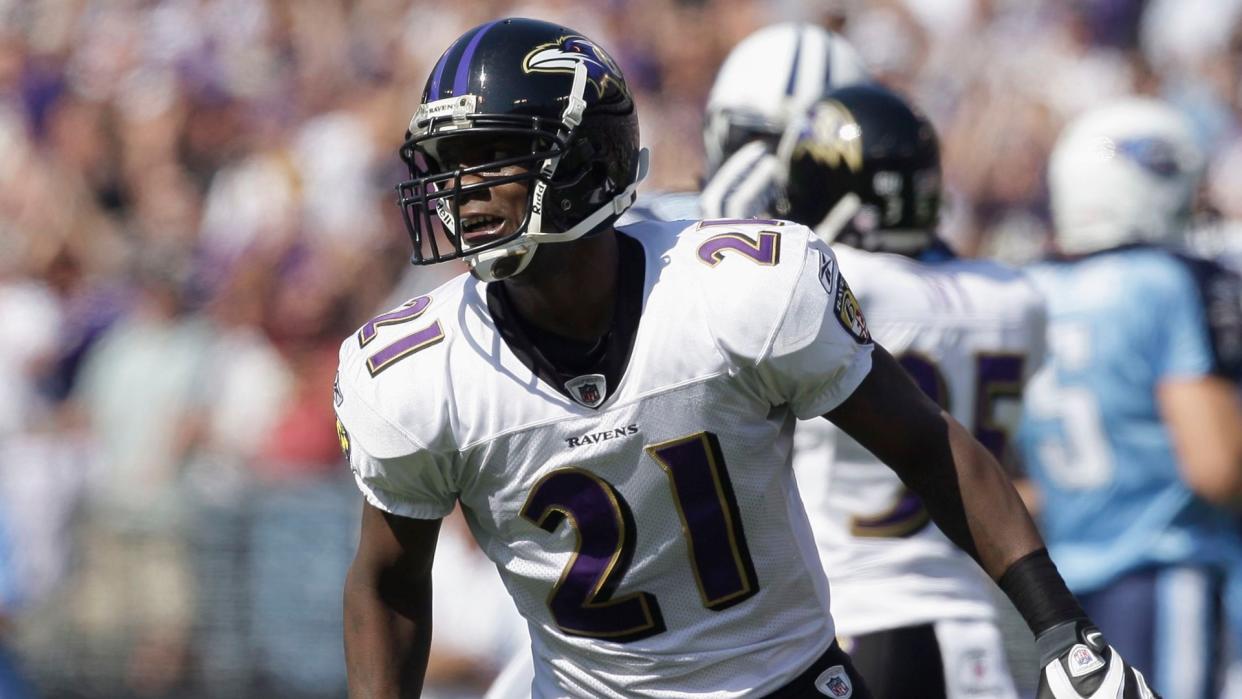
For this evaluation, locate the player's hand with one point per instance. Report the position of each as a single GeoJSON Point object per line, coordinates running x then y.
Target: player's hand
{"type": "Point", "coordinates": [744, 186]}
{"type": "Point", "coordinates": [1079, 664]}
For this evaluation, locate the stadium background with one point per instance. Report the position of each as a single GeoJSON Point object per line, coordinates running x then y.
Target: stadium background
{"type": "Point", "coordinates": [195, 207]}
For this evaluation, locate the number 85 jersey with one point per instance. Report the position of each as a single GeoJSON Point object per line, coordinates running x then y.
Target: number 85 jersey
{"type": "Point", "coordinates": [970, 333]}
{"type": "Point", "coordinates": [646, 523]}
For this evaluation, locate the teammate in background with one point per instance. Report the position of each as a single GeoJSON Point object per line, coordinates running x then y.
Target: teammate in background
{"type": "Point", "coordinates": [1133, 429]}
{"type": "Point", "coordinates": [914, 611]}
{"type": "Point", "coordinates": [769, 79]}
{"type": "Point", "coordinates": [614, 410]}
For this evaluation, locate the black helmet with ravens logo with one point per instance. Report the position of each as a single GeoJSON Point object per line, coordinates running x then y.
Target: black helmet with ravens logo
{"type": "Point", "coordinates": [550, 109]}
{"type": "Point", "coordinates": [863, 168]}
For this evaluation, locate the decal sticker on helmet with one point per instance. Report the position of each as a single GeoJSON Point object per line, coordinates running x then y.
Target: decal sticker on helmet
{"type": "Point", "coordinates": [564, 55]}
{"type": "Point", "coordinates": [834, 137]}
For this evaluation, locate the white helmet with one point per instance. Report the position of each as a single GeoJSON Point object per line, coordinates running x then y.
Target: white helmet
{"type": "Point", "coordinates": [772, 76]}
{"type": "Point", "coordinates": [1124, 173]}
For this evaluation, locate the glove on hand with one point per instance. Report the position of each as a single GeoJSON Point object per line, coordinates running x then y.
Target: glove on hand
{"type": "Point", "coordinates": [1079, 664]}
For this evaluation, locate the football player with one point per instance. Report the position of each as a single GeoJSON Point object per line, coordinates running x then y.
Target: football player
{"type": "Point", "coordinates": [1133, 429]}
{"type": "Point", "coordinates": [614, 410]}
{"type": "Point", "coordinates": [770, 78]}
{"type": "Point", "coordinates": [863, 170]}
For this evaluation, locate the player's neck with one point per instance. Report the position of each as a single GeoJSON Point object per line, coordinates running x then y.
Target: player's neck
{"type": "Point", "coordinates": [569, 288]}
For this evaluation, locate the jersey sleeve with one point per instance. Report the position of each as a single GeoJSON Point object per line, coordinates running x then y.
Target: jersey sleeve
{"type": "Point", "coordinates": [821, 350]}
{"type": "Point", "coordinates": [395, 472]}
{"type": "Point", "coordinates": [1201, 329]}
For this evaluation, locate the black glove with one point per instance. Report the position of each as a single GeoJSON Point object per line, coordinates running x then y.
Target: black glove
{"type": "Point", "coordinates": [1079, 664]}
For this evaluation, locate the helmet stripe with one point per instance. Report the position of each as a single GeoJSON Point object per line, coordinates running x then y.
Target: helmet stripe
{"type": "Point", "coordinates": [829, 46]}
{"type": "Point", "coordinates": [434, 92]}
{"type": "Point", "coordinates": [461, 80]}
{"type": "Point", "coordinates": [793, 68]}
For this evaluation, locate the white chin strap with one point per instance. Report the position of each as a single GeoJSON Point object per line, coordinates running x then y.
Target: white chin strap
{"type": "Point", "coordinates": [484, 265]}
{"type": "Point", "coordinates": [838, 216]}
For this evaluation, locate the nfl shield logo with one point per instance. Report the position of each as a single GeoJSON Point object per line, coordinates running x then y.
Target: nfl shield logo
{"type": "Point", "coordinates": [589, 390]}
{"type": "Point", "coordinates": [834, 682]}
{"type": "Point", "coordinates": [588, 393]}
{"type": "Point", "coordinates": [1082, 661]}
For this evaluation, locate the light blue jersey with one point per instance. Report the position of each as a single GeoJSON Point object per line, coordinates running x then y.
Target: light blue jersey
{"type": "Point", "coordinates": [1120, 323]}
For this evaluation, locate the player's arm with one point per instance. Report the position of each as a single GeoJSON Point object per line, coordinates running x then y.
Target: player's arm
{"type": "Point", "coordinates": [1204, 418]}
{"type": "Point", "coordinates": [972, 501]}
{"type": "Point", "coordinates": [388, 605]}
{"type": "Point", "coordinates": [1200, 332]}
{"type": "Point", "coordinates": [965, 490]}
{"type": "Point", "coordinates": [821, 360]}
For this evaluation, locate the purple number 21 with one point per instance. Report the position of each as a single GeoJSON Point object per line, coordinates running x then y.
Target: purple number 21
{"type": "Point", "coordinates": [582, 602]}
{"type": "Point", "coordinates": [404, 346]}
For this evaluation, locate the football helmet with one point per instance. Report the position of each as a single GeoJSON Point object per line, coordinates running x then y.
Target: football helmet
{"type": "Point", "coordinates": [769, 78]}
{"type": "Point", "coordinates": [863, 167]}
{"type": "Point", "coordinates": [1124, 173]}
{"type": "Point", "coordinates": [531, 102]}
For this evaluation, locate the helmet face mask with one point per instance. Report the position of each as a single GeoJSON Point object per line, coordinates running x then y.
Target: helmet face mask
{"type": "Point", "coordinates": [452, 167]}
{"type": "Point", "coordinates": [517, 104]}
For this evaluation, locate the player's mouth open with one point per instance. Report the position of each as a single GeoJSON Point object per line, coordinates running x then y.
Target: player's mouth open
{"type": "Point", "coordinates": [481, 228]}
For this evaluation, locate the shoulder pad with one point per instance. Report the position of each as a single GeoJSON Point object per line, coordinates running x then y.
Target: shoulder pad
{"type": "Point", "coordinates": [744, 273]}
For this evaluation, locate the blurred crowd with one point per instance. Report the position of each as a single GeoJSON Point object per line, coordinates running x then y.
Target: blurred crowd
{"type": "Point", "coordinates": [196, 207]}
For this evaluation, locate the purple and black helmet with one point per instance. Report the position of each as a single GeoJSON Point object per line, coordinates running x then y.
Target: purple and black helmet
{"type": "Point", "coordinates": [559, 103]}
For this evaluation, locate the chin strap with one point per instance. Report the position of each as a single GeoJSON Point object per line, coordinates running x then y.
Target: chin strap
{"type": "Point", "coordinates": [570, 118]}
{"type": "Point", "coordinates": [483, 265]}
{"type": "Point", "coordinates": [838, 216]}
{"type": "Point", "coordinates": [615, 207]}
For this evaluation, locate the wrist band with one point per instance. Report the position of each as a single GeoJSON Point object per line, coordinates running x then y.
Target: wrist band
{"type": "Point", "coordinates": [1039, 593]}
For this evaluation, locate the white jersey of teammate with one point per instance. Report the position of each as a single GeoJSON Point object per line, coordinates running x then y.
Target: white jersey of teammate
{"type": "Point", "coordinates": [970, 332]}
{"type": "Point", "coordinates": [656, 544]}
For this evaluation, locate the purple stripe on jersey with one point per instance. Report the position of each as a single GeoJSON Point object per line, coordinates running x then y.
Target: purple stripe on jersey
{"type": "Point", "coordinates": [461, 81]}
{"type": "Point", "coordinates": [908, 507]}
{"type": "Point", "coordinates": [906, 517]}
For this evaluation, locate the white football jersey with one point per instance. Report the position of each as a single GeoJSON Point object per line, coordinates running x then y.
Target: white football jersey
{"type": "Point", "coordinates": [656, 544]}
{"type": "Point", "coordinates": [970, 332]}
